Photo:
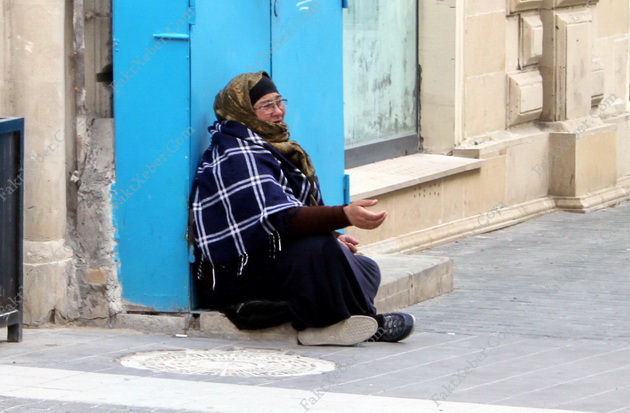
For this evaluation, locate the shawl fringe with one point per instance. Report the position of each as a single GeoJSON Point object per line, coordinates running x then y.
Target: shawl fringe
{"type": "Point", "coordinates": [275, 247]}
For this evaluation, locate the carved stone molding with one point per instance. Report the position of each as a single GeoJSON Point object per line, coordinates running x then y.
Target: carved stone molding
{"type": "Point", "coordinates": [525, 91]}
{"type": "Point", "coordinates": [552, 4]}
{"type": "Point", "coordinates": [516, 6]}
{"type": "Point", "coordinates": [566, 63]}
{"type": "Point", "coordinates": [597, 81]}
{"type": "Point", "coordinates": [531, 40]}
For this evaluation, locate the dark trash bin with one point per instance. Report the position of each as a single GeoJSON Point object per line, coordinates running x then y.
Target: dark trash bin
{"type": "Point", "coordinates": [11, 225]}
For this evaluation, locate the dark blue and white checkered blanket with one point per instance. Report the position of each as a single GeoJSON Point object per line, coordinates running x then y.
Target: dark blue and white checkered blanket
{"type": "Point", "coordinates": [241, 182]}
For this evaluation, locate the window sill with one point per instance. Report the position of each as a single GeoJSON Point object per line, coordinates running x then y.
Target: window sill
{"type": "Point", "coordinates": [378, 178]}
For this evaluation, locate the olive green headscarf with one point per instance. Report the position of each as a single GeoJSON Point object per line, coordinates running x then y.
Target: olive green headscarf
{"type": "Point", "coordinates": [233, 103]}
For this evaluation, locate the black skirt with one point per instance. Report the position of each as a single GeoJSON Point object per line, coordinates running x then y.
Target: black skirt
{"type": "Point", "coordinates": [319, 279]}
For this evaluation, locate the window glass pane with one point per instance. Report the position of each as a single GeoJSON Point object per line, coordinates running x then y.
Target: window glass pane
{"type": "Point", "coordinates": [380, 71]}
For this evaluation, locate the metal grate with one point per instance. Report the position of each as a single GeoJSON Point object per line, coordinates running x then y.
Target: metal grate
{"type": "Point", "coordinates": [236, 363]}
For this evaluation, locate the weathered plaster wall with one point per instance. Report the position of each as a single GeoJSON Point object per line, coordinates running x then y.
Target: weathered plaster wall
{"type": "Point", "coordinates": [95, 245]}
{"type": "Point", "coordinates": [93, 229]}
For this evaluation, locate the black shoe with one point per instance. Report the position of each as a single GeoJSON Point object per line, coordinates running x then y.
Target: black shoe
{"type": "Point", "coordinates": [257, 314]}
{"type": "Point", "coordinates": [394, 327]}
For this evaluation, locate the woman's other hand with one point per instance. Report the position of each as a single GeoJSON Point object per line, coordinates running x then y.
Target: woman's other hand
{"type": "Point", "coordinates": [362, 218]}
{"type": "Point", "coordinates": [349, 242]}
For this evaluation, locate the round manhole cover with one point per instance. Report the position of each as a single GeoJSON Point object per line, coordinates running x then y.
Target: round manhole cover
{"type": "Point", "coordinates": [238, 362]}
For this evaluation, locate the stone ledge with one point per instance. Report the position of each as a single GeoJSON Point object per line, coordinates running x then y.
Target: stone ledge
{"type": "Point", "coordinates": [379, 178]}
{"type": "Point", "coordinates": [488, 221]}
{"type": "Point", "coordinates": [150, 323]}
{"type": "Point", "coordinates": [407, 280]}
{"type": "Point", "coordinates": [490, 145]}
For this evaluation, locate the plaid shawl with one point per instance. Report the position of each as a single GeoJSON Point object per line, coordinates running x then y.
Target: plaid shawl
{"type": "Point", "coordinates": [242, 181]}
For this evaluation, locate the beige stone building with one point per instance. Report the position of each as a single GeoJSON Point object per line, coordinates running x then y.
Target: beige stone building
{"type": "Point", "coordinates": [531, 99]}
{"type": "Point", "coordinates": [523, 108]}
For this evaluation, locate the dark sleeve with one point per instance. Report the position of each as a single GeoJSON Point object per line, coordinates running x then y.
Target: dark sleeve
{"type": "Point", "coordinates": [312, 220]}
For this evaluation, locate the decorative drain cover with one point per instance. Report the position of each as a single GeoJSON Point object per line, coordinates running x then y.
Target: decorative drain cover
{"type": "Point", "coordinates": [237, 362]}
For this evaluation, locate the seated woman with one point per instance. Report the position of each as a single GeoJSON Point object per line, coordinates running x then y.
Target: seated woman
{"type": "Point", "coordinates": [263, 233]}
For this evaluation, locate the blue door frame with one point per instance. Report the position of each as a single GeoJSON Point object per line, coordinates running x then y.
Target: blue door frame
{"type": "Point", "coordinates": [171, 57]}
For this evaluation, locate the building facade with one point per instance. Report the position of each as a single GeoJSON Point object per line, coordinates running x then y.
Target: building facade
{"type": "Point", "coordinates": [460, 116]}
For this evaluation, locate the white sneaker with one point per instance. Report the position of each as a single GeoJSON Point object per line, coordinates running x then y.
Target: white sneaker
{"type": "Point", "coordinates": [349, 332]}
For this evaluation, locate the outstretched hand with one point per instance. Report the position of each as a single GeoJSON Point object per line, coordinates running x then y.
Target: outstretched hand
{"type": "Point", "coordinates": [363, 218]}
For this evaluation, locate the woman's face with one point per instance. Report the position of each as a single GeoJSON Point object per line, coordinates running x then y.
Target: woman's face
{"type": "Point", "coordinates": [269, 108]}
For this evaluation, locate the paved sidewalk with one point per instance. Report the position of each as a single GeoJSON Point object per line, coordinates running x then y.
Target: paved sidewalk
{"type": "Point", "coordinates": [538, 321]}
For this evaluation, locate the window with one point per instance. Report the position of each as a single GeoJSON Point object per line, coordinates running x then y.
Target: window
{"type": "Point", "coordinates": [380, 80]}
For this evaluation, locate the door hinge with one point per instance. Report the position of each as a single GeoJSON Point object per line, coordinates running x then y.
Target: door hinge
{"type": "Point", "coordinates": [346, 189]}
{"type": "Point", "coordinates": [344, 4]}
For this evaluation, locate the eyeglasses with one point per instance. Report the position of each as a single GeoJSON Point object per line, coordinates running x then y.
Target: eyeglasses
{"type": "Point", "coordinates": [269, 107]}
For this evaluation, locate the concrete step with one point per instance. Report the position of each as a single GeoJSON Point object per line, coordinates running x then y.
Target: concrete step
{"type": "Point", "coordinates": [406, 280]}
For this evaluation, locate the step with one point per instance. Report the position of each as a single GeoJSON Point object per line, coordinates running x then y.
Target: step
{"type": "Point", "coordinates": [406, 280]}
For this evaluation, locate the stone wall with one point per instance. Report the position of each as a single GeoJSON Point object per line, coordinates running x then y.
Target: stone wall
{"type": "Point", "coordinates": [69, 266]}
{"type": "Point", "coordinates": [488, 66]}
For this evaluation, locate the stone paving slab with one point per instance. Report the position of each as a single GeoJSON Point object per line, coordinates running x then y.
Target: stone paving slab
{"type": "Point", "coordinates": [21, 405]}
{"type": "Point", "coordinates": [562, 275]}
{"type": "Point", "coordinates": [423, 367]}
{"type": "Point", "coordinates": [172, 395]}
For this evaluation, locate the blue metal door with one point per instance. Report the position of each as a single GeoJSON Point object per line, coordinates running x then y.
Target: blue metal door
{"type": "Point", "coordinates": [171, 58]}
{"type": "Point", "coordinates": [153, 131]}
{"type": "Point", "coordinates": [307, 66]}
{"type": "Point", "coordinates": [228, 38]}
